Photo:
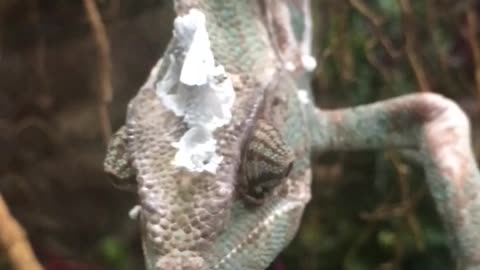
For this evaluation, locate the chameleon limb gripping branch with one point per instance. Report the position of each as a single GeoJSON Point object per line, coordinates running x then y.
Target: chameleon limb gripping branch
{"type": "Point", "coordinates": [217, 141]}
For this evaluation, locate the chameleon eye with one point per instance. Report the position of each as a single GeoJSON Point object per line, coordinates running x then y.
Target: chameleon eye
{"type": "Point", "coordinates": [267, 160]}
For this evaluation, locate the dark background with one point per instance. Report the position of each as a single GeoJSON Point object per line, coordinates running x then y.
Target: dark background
{"type": "Point", "coordinates": [370, 210]}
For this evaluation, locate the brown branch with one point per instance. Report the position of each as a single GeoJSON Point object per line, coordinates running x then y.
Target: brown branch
{"type": "Point", "coordinates": [14, 242]}
{"type": "Point", "coordinates": [432, 25]}
{"type": "Point", "coordinates": [410, 46]}
{"type": "Point", "coordinates": [343, 51]}
{"type": "Point", "coordinates": [40, 69]}
{"type": "Point", "coordinates": [374, 61]}
{"type": "Point", "coordinates": [433, 22]}
{"type": "Point", "coordinates": [471, 36]}
{"type": "Point", "coordinates": [376, 22]}
{"type": "Point", "coordinates": [386, 212]}
{"type": "Point", "coordinates": [366, 11]}
{"type": "Point", "coordinates": [104, 65]}
{"type": "Point", "coordinates": [403, 171]}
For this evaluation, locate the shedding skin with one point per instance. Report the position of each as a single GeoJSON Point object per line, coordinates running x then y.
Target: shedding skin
{"type": "Point", "coordinates": [202, 220]}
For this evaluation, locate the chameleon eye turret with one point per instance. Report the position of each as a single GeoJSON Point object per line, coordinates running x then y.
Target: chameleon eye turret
{"type": "Point", "coordinates": [267, 161]}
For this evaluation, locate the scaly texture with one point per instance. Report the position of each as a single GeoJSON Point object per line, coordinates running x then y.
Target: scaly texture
{"type": "Point", "coordinates": [194, 220]}
{"type": "Point", "coordinates": [199, 219]}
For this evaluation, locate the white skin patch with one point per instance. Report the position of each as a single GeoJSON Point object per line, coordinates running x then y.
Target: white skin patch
{"type": "Point", "coordinates": [290, 66]}
{"type": "Point", "coordinates": [303, 96]}
{"type": "Point", "coordinates": [196, 151]}
{"type": "Point", "coordinates": [134, 212]}
{"type": "Point", "coordinates": [309, 62]}
{"type": "Point", "coordinates": [196, 88]}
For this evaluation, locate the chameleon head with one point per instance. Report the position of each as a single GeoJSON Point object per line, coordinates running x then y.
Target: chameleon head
{"type": "Point", "coordinates": [185, 148]}
{"type": "Point", "coordinates": [197, 219]}
{"type": "Point", "coordinates": [184, 191]}
{"type": "Point", "coordinates": [182, 141]}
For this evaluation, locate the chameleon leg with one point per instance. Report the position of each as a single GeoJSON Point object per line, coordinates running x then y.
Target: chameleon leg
{"type": "Point", "coordinates": [439, 132]}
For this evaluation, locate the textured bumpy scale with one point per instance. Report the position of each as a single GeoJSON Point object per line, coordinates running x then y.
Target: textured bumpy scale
{"type": "Point", "coordinates": [267, 160]}
{"type": "Point", "coordinates": [196, 220]}
{"type": "Point", "coordinates": [118, 163]}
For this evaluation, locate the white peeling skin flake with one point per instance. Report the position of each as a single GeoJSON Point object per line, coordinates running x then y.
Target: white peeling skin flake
{"type": "Point", "coordinates": [199, 90]}
{"type": "Point", "coordinates": [196, 151]}
{"type": "Point", "coordinates": [134, 212]}
{"type": "Point", "coordinates": [309, 62]}
{"type": "Point", "coordinates": [303, 96]}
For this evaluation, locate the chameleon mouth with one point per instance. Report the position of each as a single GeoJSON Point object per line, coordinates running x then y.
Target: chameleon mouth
{"type": "Point", "coordinates": [273, 214]}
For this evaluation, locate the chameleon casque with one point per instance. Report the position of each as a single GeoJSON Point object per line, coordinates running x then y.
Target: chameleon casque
{"type": "Point", "coordinates": [217, 142]}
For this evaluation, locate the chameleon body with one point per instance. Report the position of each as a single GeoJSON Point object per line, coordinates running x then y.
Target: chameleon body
{"type": "Point", "coordinates": [202, 219]}
{"type": "Point", "coordinates": [220, 124]}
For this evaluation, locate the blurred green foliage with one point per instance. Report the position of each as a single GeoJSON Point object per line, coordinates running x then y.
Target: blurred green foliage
{"type": "Point", "coordinates": [114, 253]}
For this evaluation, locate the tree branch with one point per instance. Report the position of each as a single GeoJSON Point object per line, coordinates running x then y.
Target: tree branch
{"type": "Point", "coordinates": [14, 242]}
{"type": "Point", "coordinates": [104, 86]}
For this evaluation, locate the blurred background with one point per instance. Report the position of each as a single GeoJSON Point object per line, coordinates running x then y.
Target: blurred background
{"type": "Point", "coordinates": [68, 69]}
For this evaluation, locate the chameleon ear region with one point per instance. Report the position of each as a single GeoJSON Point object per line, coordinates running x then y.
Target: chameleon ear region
{"type": "Point", "coordinates": [267, 161]}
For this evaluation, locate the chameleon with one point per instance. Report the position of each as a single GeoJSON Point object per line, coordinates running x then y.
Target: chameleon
{"type": "Point", "coordinates": [217, 141]}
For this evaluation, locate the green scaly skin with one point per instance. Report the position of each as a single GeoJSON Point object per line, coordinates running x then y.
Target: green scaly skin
{"type": "Point", "coordinates": [200, 221]}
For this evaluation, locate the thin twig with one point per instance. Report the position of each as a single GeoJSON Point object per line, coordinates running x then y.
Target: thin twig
{"type": "Point", "coordinates": [376, 22]}
{"type": "Point", "coordinates": [433, 23]}
{"type": "Point", "coordinates": [471, 36]}
{"type": "Point", "coordinates": [343, 51]}
{"type": "Point", "coordinates": [40, 69]}
{"type": "Point", "coordinates": [386, 212]}
{"type": "Point", "coordinates": [104, 66]}
{"type": "Point", "coordinates": [412, 222]}
{"type": "Point", "coordinates": [410, 46]}
{"type": "Point", "coordinates": [366, 11]}
{"type": "Point", "coordinates": [432, 26]}
{"type": "Point", "coordinates": [14, 242]}
{"type": "Point", "coordinates": [373, 59]}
